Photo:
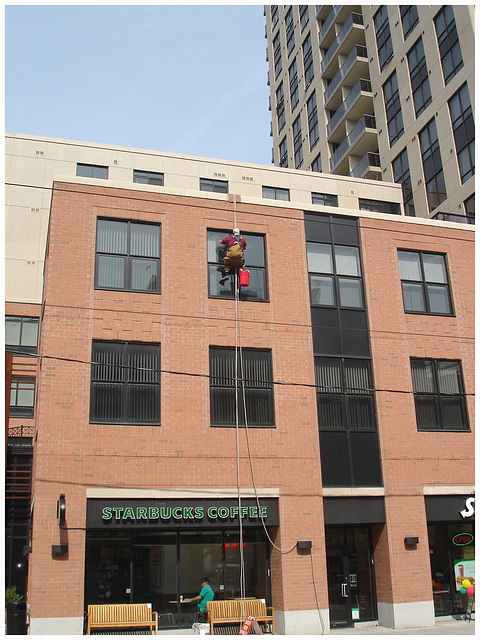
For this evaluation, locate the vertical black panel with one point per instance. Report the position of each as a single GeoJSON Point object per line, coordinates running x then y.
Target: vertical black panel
{"type": "Point", "coordinates": [335, 459]}
{"type": "Point", "coordinates": [365, 458]}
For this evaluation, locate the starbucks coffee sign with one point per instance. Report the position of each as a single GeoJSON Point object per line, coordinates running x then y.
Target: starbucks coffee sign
{"type": "Point", "coordinates": [184, 514]}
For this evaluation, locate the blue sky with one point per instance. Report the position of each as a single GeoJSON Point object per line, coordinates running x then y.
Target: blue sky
{"type": "Point", "coordinates": [187, 79]}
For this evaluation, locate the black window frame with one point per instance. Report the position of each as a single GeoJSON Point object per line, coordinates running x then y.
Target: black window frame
{"type": "Point", "coordinates": [124, 377]}
{"type": "Point", "coordinates": [252, 386]}
{"type": "Point", "coordinates": [393, 109]}
{"type": "Point", "coordinates": [336, 393]}
{"type": "Point", "coordinates": [213, 185]}
{"type": "Point", "coordinates": [297, 142]}
{"type": "Point", "coordinates": [154, 178]}
{"type": "Point", "coordinates": [85, 170]}
{"type": "Point", "coordinates": [379, 206]}
{"type": "Point", "coordinates": [436, 400]}
{"type": "Point", "coordinates": [27, 349]}
{"type": "Point", "coordinates": [383, 36]}
{"type": "Point", "coordinates": [289, 31]}
{"type": "Point", "coordinates": [432, 165]}
{"type": "Point", "coordinates": [469, 205]}
{"type": "Point", "coordinates": [128, 257]}
{"type": "Point", "coordinates": [280, 98]}
{"type": "Point", "coordinates": [401, 175]}
{"type": "Point", "coordinates": [22, 410]}
{"type": "Point", "coordinates": [325, 199]}
{"type": "Point", "coordinates": [283, 153]}
{"type": "Point", "coordinates": [423, 285]}
{"type": "Point", "coordinates": [336, 278]}
{"type": "Point", "coordinates": [463, 127]}
{"type": "Point", "coordinates": [293, 83]}
{"type": "Point", "coordinates": [308, 70]}
{"type": "Point", "coordinates": [317, 164]}
{"type": "Point", "coordinates": [417, 64]}
{"type": "Point", "coordinates": [258, 270]}
{"type": "Point", "coordinates": [277, 54]}
{"type": "Point", "coordinates": [312, 115]}
{"type": "Point", "coordinates": [274, 14]}
{"type": "Point", "coordinates": [272, 193]}
{"type": "Point", "coordinates": [303, 15]}
{"type": "Point", "coordinates": [409, 16]}
{"type": "Point", "coordinates": [448, 42]}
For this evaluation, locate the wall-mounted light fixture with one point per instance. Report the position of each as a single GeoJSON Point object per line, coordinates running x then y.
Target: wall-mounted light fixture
{"type": "Point", "coordinates": [61, 509]}
{"type": "Point", "coordinates": [304, 544]}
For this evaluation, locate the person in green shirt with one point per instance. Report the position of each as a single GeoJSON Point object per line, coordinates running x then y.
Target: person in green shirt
{"type": "Point", "coordinates": [206, 594]}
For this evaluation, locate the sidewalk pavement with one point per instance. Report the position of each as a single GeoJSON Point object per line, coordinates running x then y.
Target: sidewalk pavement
{"type": "Point", "coordinates": [447, 626]}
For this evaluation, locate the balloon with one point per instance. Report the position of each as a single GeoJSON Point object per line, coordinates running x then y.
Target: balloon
{"type": "Point", "coordinates": [433, 582]}
{"type": "Point", "coordinates": [439, 586]}
{"type": "Point", "coordinates": [466, 583]}
{"type": "Point", "coordinates": [226, 545]}
{"type": "Point", "coordinates": [471, 591]}
{"type": "Point", "coordinates": [463, 591]}
{"type": "Point", "coordinates": [235, 546]}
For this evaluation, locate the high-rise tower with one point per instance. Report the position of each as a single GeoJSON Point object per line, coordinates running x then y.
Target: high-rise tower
{"type": "Point", "coordinates": [384, 92]}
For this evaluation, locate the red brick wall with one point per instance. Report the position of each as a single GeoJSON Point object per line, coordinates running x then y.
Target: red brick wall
{"type": "Point", "coordinates": [413, 460]}
{"type": "Point", "coordinates": [184, 451]}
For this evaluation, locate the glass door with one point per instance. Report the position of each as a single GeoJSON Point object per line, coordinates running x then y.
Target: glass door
{"type": "Point", "coordinates": [339, 594]}
{"type": "Point", "coordinates": [350, 575]}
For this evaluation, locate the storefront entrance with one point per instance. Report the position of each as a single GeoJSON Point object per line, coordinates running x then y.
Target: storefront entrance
{"type": "Point", "coordinates": [350, 575]}
{"type": "Point", "coordinates": [130, 561]}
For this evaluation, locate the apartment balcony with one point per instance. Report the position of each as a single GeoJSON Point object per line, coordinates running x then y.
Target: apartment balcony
{"type": "Point", "coordinates": [368, 167]}
{"type": "Point", "coordinates": [352, 33]}
{"type": "Point", "coordinates": [361, 139]}
{"type": "Point", "coordinates": [322, 11]}
{"type": "Point", "coordinates": [453, 217]}
{"type": "Point", "coordinates": [358, 102]}
{"type": "Point", "coordinates": [337, 16]}
{"type": "Point", "coordinates": [354, 68]}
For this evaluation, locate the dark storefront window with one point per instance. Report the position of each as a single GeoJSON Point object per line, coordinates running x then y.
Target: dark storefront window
{"type": "Point", "coordinates": [158, 567]}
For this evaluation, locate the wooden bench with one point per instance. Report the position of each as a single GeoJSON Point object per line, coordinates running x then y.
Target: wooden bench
{"type": "Point", "coordinates": [235, 612]}
{"type": "Point", "coordinates": [106, 616]}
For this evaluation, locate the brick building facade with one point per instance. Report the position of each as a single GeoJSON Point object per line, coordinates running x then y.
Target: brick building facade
{"type": "Point", "coordinates": [354, 342]}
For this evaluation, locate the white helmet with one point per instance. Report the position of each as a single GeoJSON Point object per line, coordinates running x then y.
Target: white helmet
{"type": "Point", "coordinates": [236, 232]}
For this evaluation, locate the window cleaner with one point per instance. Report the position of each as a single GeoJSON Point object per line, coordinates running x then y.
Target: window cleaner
{"type": "Point", "coordinates": [236, 245]}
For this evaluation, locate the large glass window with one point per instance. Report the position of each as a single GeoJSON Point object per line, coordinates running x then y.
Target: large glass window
{"type": "Point", "coordinates": [345, 397]}
{"type": "Point", "coordinates": [335, 275]}
{"type": "Point", "coordinates": [227, 371]}
{"type": "Point", "coordinates": [463, 131]}
{"type": "Point", "coordinates": [425, 284]}
{"type": "Point", "coordinates": [289, 31]}
{"type": "Point", "coordinates": [280, 107]}
{"type": "Point", "coordinates": [128, 256]}
{"type": "Point", "coordinates": [158, 567]}
{"type": "Point", "coordinates": [21, 334]}
{"type": "Point", "coordinates": [312, 120]}
{"type": "Point", "coordinates": [439, 394]}
{"type": "Point", "coordinates": [255, 262]}
{"type": "Point", "coordinates": [22, 397]}
{"type": "Point", "coordinates": [401, 175]}
{"type": "Point", "coordinates": [297, 143]}
{"type": "Point", "coordinates": [303, 10]}
{"type": "Point", "coordinates": [125, 383]}
{"type": "Point", "coordinates": [325, 199]}
{"type": "Point", "coordinates": [382, 32]}
{"type": "Point", "coordinates": [392, 109]}
{"type": "Point", "coordinates": [409, 15]}
{"type": "Point", "coordinates": [277, 54]}
{"type": "Point", "coordinates": [293, 80]}
{"type": "Point", "coordinates": [448, 43]}
{"type": "Point", "coordinates": [307, 61]}
{"type": "Point", "coordinates": [283, 153]}
{"type": "Point", "coordinates": [422, 96]}
{"type": "Point", "coordinates": [432, 165]}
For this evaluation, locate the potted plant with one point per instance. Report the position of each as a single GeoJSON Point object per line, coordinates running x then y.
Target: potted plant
{"type": "Point", "coordinates": [16, 612]}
